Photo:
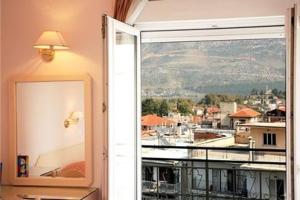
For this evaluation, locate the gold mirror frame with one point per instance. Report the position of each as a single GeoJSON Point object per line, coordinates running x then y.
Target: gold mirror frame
{"type": "Point", "coordinates": [50, 181]}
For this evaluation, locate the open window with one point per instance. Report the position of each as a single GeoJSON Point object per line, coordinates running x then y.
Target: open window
{"type": "Point", "coordinates": [202, 87]}
{"type": "Point", "coordinates": [123, 110]}
{"type": "Point", "coordinates": [173, 167]}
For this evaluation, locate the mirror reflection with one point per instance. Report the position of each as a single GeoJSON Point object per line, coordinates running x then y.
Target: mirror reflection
{"type": "Point", "coordinates": [50, 129]}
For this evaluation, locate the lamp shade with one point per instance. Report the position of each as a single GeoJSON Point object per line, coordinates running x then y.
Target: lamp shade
{"type": "Point", "coordinates": [51, 40]}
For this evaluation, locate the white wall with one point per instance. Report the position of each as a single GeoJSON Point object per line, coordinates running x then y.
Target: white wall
{"type": "Point", "coordinates": [168, 10]}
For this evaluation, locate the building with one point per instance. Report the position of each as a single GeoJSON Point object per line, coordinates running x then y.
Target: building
{"type": "Point", "coordinates": [227, 108]}
{"type": "Point", "coordinates": [150, 122]}
{"type": "Point", "coordinates": [245, 115]}
{"type": "Point", "coordinates": [275, 115]}
{"type": "Point", "coordinates": [174, 179]}
{"type": "Point", "coordinates": [198, 110]}
{"type": "Point", "coordinates": [264, 134]}
{"type": "Point", "coordinates": [178, 118]}
{"type": "Point", "coordinates": [212, 117]}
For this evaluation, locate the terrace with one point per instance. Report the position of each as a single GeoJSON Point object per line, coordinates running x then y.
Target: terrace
{"type": "Point", "coordinates": [189, 172]}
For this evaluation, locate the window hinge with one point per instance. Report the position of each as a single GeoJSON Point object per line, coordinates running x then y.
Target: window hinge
{"type": "Point", "coordinates": [104, 23]}
{"type": "Point", "coordinates": [292, 115]}
{"type": "Point", "coordinates": [103, 107]}
{"type": "Point", "coordinates": [293, 20]}
{"type": "Point", "coordinates": [105, 154]}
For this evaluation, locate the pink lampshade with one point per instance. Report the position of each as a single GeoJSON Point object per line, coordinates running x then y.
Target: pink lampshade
{"type": "Point", "coordinates": [51, 39]}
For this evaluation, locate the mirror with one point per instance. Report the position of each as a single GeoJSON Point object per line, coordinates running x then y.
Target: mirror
{"type": "Point", "coordinates": [51, 128]}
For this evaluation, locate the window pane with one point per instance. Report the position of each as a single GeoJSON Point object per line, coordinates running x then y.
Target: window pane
{"type": "Point", "coordinates": [274, 139]}
{"type": "Point", "coordinates": [269, 138]}
{"type": "Point", "coordinates": [122, 137]}
{"type": "Point", "coordinates": [216, 96]}
{"type": "Point", "coordinates": [265, 138]}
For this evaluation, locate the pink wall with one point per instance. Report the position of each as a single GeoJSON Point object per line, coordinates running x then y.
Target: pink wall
{"type": "Point", "coordinates": [0, 77]}
{"type": "Point", "coordinates": [80, 23]}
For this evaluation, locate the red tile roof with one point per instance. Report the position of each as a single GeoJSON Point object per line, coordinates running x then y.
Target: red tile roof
{"type": "Point", "coordinates": [213, 110]}
{"type": "Point", "coordinates": [154, 120]}
{"type": "Point", "coordinates": [246, 112]}
{"type": "Point", "coordinates": [150, 133]}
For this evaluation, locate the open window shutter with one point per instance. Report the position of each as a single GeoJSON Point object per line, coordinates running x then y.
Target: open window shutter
{"type": "Point", "coordinates": [123, 110]}
{"type": "Point", "coordinates": [292, 108]}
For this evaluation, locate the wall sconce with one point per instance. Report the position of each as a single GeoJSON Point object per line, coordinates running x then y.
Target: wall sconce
{"type": "Point", "coordinates": [48, 42]}
{"type": "Point", "coordinates": [73, 119]}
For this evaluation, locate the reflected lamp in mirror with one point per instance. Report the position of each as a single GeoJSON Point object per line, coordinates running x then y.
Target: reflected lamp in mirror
{"type": "Point", "coordinates": [48, 43]}
{"type": "Point", "coordinates": [73, 119]}
{"type": "Point", "coordinates": [42, 153]}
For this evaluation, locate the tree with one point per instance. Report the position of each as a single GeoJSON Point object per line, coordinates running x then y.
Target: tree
{"type": "Point", "coordinates": [205, 111]}
{"type": "Point", "coordinates": [209, 99]}
{"type": "Point", "coordinates": [215, 99]}
{"type": "Point", "coordinates": [284, 94]}
{"type": "Point", "coordinates": [149, 106]}
{"type": "Point", "coordinates": [275, 92]}
{"type": "Point", "coordinates": [281, 94]}
{"type": "Point", "coordinates": [254, 91]}
{"type": "Point", "coordinates": [184, 106]}
{"type": "Point", "coordinates": [239, 100]}
{"type": "Point", "coordinates": [164, 108]}
{"type": "Point", "coordinates": [261, 92]}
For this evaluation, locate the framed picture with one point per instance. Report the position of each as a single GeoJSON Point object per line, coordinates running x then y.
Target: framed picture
{"type": "Point", "coordinates": [23, 166]}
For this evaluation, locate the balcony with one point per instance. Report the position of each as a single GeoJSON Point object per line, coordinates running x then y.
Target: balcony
{"type": "Point", "coordinates": [202, 173]}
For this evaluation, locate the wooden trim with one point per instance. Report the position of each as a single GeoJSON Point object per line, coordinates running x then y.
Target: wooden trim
{"type": "Point", "coordinates": [49, 181]}
{"type": "Point", "coordinates": [290, 134]}
{"type": "Point", "coordinates": [11, 192]}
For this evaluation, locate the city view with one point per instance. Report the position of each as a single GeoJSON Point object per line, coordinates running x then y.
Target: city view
{"type": "Point", "coordinates": [214, 120]}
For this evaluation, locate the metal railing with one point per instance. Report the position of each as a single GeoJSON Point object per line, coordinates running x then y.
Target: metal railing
{"type": "Point", "coordinates": [206, 175]}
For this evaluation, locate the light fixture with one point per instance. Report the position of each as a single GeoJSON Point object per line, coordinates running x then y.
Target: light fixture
{"type": "Point", "coordinates": [48, 42]}
{"type": "Point", "coordinates": [73, 119]}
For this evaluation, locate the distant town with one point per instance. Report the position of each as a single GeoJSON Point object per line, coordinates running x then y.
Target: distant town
{"type": "Point", "coordinates": [253, 121]}
{"type": "Point", "coordinates": [214, 120]}
{"type": "Point", "coordinates": [219, 110]}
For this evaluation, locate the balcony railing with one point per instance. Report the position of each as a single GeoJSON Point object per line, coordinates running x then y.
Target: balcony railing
{"type": "Point", "coordinates": [215, 173]}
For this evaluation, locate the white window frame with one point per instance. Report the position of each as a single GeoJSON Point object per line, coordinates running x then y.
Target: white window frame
{"type": "Point", "coordinates": [211, 23]}
{"type": "Point", "coordinates": [114, 149]}
{"type": "Point", "coordinates": [271, 142]}
{"type": "Point", "coordinates": [237, 33]}
{"type": "Point", "coordinates": [206, 30]}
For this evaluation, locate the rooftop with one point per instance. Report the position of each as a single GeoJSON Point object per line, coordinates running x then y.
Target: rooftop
{"type": "Point", "coordinates": [154, 120]}
{"type": "Point", "coordinates": [213, 109]}
{"type": "Point", "coordinates": [246, 112]}
{"type": "Point", "coordinates": [150, 133]}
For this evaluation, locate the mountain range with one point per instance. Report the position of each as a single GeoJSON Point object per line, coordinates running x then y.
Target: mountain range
{"type": "Point", "coordinates": [201, 67]}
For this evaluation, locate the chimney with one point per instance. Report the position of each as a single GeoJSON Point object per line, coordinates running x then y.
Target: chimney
{"type": "Point", "coordinates": [251, 146]}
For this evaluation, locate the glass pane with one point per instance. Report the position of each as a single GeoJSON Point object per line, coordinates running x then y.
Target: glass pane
{"type": "Point", "coordinates": [211, 109]}
{"type": "Point", "coordinates": [274, 139]}
{"type": "Point", "coordinates": [269, 138]}
{"type": "Point", "coordinates": [122, 116]}
{"type": "Point", "coordinates": [265, 138]}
